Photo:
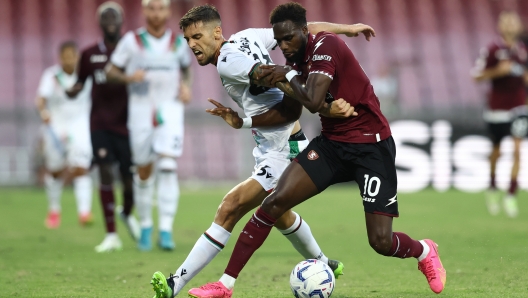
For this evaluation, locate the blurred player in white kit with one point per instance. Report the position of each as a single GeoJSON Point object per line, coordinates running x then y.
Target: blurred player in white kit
{"type": "Point", "coordinates": [154, 62]}
{"type": "Point", "coordinates": [66, 136]}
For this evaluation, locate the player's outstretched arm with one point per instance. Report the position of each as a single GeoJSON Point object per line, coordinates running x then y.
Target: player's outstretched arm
{"type": "Point", "coordinates": [285, 112]}
{"type": "Point", "coordinates": [348, 30]}
{"type": "Point", "coordinates": [73, 91]}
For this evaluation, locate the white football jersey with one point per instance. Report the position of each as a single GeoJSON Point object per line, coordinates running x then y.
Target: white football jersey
{"type": "Point", "coordinates": [237, 59]}
{"type": "Point", "coordinates": [160, 58]}
{"type": "Point", "coordinates": [63, 110]}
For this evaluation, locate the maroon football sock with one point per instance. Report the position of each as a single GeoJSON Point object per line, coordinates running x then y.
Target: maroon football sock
{"type": "Point", "coordinates": [492, 181]}
{"type": "Point", "coordinates": [128, 202]}
{"type": "Point", "coordinates": [253, 235]}
{"type": "Point", "coordinates": [513, 187]}
{"type": "Point", "coordinates": [404, 246]}
{"type": "Point", "coordinates": [106, 192]}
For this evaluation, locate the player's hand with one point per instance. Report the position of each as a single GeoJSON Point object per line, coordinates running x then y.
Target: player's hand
{"type": "Point", "coordinates": [366, 30]}
{"type": "Point", "coordinates": [45, 116]}
{"type": "Point", "coordinates": [504, 67]}
{"type": "Point", "coordinates": [274, 73]}
{"type": "Point", "coordinates": [230, 117]}
{"type": "Point", "coordinates": [185, 93]}
{"type": "Point", "coordinates": [73, 91]}
{"type": "Point", "coordinates": [341, 109]}
{"type": "Point", "coordinates": [136, 77]}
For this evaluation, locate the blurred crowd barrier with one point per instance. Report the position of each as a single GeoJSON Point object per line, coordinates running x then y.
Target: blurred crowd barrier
{"type": "Point", "coordinates": [419, 64]}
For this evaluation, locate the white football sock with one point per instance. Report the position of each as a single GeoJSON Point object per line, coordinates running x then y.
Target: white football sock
{"type": "Point", "coordinates": [300, 236]}
{"type": "Point", "coordinates": [82, 187]}
{"type": "Point", "coordinates": [228, 281]}
{"type": "Point", "coordinates": [203, 252]}
{"type": "Point", "coordinates": [143, 191]}
{"type": "Point", "coordinates": [168, 197]}
{"type": "Point", "coordinates": [426, 250]}
{"type": "Point", "coordinates": [54, 192]}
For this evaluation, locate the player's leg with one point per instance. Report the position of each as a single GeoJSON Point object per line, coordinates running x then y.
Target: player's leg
{"type": "Point", "coordinates": [104, 158]}
{"type": "Point", "coordinates": [236, 203]}
{"type": "Point", "coordinates": [79, 157]}
{"type": "Point", "coordinates": [55, 164]}
{"type": "Point", "coordinates": [121, 145]}
{"type": "Point", "coordinates": [168, 144]}
{"type": "Point", "coordinates": [510, 201]}
{"type": "Point", "coordinates": [378, 188]}
{"type": "Point", "coordinates": [496, 131]}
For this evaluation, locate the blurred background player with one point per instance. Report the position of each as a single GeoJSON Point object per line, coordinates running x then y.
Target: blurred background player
{"type": "Point", "coordinates": [150, 60]}
{"type": "Point", "coordinates": [108, 121]}
{"type": "Point", "coordinates": [66, 136]}
{"type": "Point", "coordinates": [501, 62]}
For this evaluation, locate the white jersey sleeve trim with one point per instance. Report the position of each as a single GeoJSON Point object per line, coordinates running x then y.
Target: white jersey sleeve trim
{"type": "Point", "coordinates": [322, 72]}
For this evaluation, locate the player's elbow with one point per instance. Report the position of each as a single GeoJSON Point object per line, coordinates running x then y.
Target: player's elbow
{"type": "Point", "coordinates": [315, 107]}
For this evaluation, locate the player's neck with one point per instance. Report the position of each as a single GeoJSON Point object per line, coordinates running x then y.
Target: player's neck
{"type": "Point", "coordinates": [217, 52]}
{"type": "Point", "coordinates": [156, 32]}
{"type": "Point", "coordinates": [509, 41]}
{"type": "Point", "coordinates": [68, 70]}
{"type": "Point", "coordinates": [111, 41]}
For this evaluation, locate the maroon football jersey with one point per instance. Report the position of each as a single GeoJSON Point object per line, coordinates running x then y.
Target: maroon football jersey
{"type": "Point", "coordinates": [109, 101]}
{"type": "Point", "coordinates": [327, 54]}
{"type": "Point", "coordinates": [506, 92]}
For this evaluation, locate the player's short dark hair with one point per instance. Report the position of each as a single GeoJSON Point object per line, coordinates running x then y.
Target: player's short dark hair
{"type": "Point", "coordinates": [291, 11]}
{"type": "Point", "coordinates": [203, 13]}
{"type": "Point", "coordinates": [70, 44]}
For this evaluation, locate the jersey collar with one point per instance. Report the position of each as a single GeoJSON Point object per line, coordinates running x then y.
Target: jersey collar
{"type": "Point", "coordinates": [217, 54]}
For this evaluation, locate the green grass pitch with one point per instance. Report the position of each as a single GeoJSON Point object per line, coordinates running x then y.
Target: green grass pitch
{"type": "Point", "coordinates": [484, 256]}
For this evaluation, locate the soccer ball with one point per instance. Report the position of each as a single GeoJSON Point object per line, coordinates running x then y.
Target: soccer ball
{"type": "Point", "coordinates": [312, 278]}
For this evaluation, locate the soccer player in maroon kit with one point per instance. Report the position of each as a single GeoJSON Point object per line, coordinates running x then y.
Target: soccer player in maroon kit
{"type": "Point", "coordinates": [501, 62]}
{"type": "Point", "coordinates": [108, 124]}
{"type": "Point", "coordinates": [357, 149]}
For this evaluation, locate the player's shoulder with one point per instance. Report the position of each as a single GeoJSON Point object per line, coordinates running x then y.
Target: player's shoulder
{"type": "Point", "coordinates": [52, 70]}
{"type": "Point", "coordinates": [92, 49]}
{"type": "Point", "coordinates": [326, 36]}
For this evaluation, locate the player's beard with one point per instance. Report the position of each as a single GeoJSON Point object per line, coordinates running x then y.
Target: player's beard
{"type": "Point", "coordinates": [299, 55]}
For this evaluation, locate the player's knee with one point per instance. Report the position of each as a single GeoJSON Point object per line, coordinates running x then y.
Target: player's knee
{"type": "Point", "coordinates": [230, 211]}
{"type": "Point", "coordinates": [167, 164]}
{"type": "Point", "coordinates": [144, 172]}
{"type": "Point", "coordinates": [275, 204]}
{"type": "Point", "coordinates": [381, 242]}
{"type": "Point", "coordinates": [105, 173]}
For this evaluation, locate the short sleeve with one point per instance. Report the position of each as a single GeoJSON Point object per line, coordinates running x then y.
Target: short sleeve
{"type": "Point", "coordinates": [84, 67]}
{"type": "Point", "coordinates": [323, 58]}
{"type": "Point", "coordinates": [266, 36]}
{"type": "Point", "coordinates": [184, 53]}
{"type": "Point", "coordinates": [46, 84]}
{"type": "Point", "coordinates": [123, 51]}
{"type": "Point", "coordinates": [236, 66]}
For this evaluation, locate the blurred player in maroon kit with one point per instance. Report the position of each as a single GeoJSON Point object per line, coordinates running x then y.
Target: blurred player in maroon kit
{"type": "Point", "coordinates": [108, 124]}
{"type": "Point", "coordinates": [357, 149]}
{"type": "Point", "coordinates": [501, 62]}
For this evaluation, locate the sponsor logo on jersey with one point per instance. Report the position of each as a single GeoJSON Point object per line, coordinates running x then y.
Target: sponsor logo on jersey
{"type": "Point", "coordinates": [370, 200]}
{"type": "Point", "coordinates": [312, 155]}
{"type": "Point", "coordinates": [321, 57]}
{"type": "Point", "coordinates": [98, 58]}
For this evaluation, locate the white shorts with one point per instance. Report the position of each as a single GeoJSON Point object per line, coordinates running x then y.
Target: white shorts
{"type": "Point", "coordinates": [67, 145]}
{"type": "Point", "coordinates": [270, 166]}
{"type": "Point", "coordinates": [155, 131]}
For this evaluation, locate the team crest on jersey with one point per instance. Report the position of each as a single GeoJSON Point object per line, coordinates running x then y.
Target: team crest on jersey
{"type": "Point", "coordinates": [312, 155]}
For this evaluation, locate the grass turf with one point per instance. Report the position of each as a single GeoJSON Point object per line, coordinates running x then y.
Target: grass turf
{"type": "Point", "coordinates": [484, 256]}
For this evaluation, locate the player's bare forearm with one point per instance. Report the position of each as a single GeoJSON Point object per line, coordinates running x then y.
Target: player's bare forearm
{"type": "Point", "coordinates": [115, 75]}
{"type": "Point", "coordinates": [187, 76]}
{"type": "Point", "coordinates": [74, 91]}
{"type": "Point", "coordinates": [316, 27]}
{"type": "Point", "coordinates": [286, 88]}
{"type": "Point", "coordinates": [312, 94]}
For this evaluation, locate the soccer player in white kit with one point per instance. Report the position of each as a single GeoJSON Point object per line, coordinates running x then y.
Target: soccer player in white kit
{"type": "Point", "coordinates": [150, 61]}
{"type": "Point", "coordinates": [273, 124]}
{"type": "Point", "coordinates": [66, 136]}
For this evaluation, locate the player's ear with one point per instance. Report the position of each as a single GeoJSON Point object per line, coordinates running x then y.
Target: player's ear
{"type": "Point", "coordinates": [305, 29]}
{"type": "Point", "coordinates": [217, 31]}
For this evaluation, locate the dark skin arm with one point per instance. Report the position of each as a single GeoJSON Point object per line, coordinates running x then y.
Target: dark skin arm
{"type": "Point", "coordinates": [312, 96]}
{"type": "Point", "coordinates": [336, 109]}
{"type": "Point", "coordinates": [73, 91]}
